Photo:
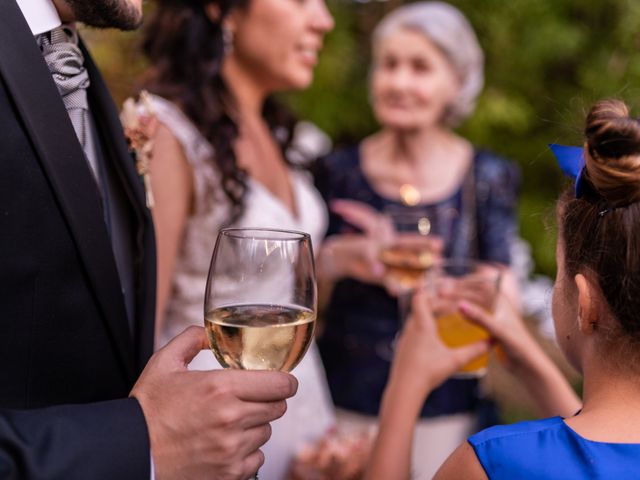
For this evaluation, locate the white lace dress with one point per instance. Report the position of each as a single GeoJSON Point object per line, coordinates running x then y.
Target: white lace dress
{"type": "Point", "coordinates": [310, 413]}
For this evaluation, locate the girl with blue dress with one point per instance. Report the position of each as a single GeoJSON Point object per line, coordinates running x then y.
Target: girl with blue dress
{"type": "Point", "coordinates": [595, 307]}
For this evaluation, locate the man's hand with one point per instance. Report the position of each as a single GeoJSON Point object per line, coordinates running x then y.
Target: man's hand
{"type": "Point", "coordinates": [207, 424]}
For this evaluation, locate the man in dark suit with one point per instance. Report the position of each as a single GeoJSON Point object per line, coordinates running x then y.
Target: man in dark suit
{"type": "Point", "coordinates": [77, 285]}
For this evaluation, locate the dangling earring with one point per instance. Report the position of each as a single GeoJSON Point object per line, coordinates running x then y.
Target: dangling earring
{"type": "Point", "coordinates": [227, 41]}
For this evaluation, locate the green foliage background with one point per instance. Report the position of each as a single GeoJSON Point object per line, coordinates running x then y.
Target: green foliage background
{"type": "Point", "coordinates": [547, 61]}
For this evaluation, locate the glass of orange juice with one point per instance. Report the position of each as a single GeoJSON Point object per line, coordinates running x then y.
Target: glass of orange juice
{"type": "Point", "coordinates": [451, 281]}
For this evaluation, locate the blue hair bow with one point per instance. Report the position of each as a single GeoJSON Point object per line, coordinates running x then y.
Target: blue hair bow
{"type": "Point", "coordinates": [571, 161]}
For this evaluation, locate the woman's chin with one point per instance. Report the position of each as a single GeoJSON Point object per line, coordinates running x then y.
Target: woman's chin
{"type": "Point", "coordinates": [401, 125]}
{"type": "Point", "coordinates": [296, 81]}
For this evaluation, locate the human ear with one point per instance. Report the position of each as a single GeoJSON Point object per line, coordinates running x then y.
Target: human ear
{"type": "Point", "coordinates": [587, 306]}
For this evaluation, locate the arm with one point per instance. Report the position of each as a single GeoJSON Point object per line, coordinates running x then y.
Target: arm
{"type": "Point", "coordinates": [188, 438]}
{"type": "Point", "coordinates": [99, 441]}
{"type": "Point", "coordinates": [352, 255]}
{"type": "Point", "coordinates": [391, 454]}
{"type": "Point", "coordinates": [462, 463]}
{"type": "Point", "coordinates": [497, 186]}
{"type": "Point", "coordinates": [497, 218]}
{"type": "Point", "coordinates": [421, 363]}
{"type": "Point", "coordinates": [525, 359]}
{"type": "Point", "coordinates": [172, 184]}
{"type": "Point", "coordinates": [344, 255]}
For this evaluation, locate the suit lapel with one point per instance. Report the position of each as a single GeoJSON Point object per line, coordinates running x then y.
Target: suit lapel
{"type": "Point", "coordinates": [117, 151]}
{"type": "Point", "coordinates": [41, 109]}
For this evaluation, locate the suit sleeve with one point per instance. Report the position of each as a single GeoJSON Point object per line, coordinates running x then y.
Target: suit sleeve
{"type": "Point", "coordinates": [106, 440]}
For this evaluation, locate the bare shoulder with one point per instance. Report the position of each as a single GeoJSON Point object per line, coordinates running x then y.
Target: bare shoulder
{"type": "Point", "coordinates": [171, 175]}
{"type": "Point", "coordinates": [166, 145]}
{"type": "Point", "coordinates": [462, 463]}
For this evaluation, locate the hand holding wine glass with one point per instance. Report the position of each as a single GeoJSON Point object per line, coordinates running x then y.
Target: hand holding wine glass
{"type": "Point", "coordinates": [189, 438]}
{"type": "Point", "coordinates": [392, 250]}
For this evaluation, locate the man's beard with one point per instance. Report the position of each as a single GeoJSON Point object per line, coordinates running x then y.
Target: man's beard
{"type": "Point", "coordinates": [106, 13]}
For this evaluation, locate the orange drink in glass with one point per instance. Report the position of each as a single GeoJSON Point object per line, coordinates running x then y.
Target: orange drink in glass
{"type": "Point", "coordinates": [454, 280]}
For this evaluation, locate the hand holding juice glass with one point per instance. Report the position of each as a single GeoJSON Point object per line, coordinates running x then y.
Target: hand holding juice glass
{"type": "Point", "coordinates": [454, 280]}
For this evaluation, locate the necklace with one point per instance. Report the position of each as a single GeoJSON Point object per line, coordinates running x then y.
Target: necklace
{"type": "Point", "coordinates": [410, 195]}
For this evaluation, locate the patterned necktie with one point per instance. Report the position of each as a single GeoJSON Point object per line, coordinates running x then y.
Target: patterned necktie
{"type": "Point", "coordinates": [66, 64]}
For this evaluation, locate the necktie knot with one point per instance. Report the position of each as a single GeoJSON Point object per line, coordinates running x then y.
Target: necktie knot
{"type": "Point", "coordinates": [66, 64]}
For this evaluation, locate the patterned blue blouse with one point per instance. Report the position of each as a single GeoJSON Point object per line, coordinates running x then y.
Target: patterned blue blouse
{"type": "Point", "coordinates": [362, 319]}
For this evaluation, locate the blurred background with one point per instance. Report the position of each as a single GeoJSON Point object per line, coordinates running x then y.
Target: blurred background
{"type": "Point", "coordinates": [547, 61]}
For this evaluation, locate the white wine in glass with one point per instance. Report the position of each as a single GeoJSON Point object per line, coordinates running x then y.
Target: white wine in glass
{"type": "Point", "coordinates": [260, 336]}
{"type": "Point", "coordinates": [406, 264]}
{"type": "Point", "coordinates": [261, 298]}
{"type": "Point", "coordinates": [405, 249]}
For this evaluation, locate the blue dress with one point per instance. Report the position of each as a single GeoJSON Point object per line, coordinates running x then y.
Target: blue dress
{"type": "Point", "coordinates": [362, 319]}
{"type": "Point", "coordinates": [549, 449]}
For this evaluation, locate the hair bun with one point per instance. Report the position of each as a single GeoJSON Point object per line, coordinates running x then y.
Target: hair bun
{"type": "Point", "coordinates": [613, 152]}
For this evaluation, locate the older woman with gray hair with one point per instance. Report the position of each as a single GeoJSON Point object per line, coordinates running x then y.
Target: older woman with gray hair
{"type": "Point", "coordinates": [426, 76]}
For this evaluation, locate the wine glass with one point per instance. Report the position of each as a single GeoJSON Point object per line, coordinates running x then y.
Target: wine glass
{"type": "Point", "coordinates": [406, 250]}
{"type": "Point", "coordinates": [261, 298]}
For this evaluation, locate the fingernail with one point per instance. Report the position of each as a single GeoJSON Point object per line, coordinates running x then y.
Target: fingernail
{"type": "Point", "coordinates": [293, 384]}
{"type": "Point", "coordinates": [463, 306]}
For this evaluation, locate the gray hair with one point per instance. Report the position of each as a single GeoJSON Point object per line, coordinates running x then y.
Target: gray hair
{"type": "Point", "coordinates": [451, 32]}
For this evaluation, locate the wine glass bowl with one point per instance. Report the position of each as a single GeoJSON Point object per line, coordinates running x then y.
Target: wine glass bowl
{"type": "Point", "coordinates": [261, 299]}
{"type": "Point", "coordinates": [406, 245]}
{"type": "Point", "coordinates": [405, 249]}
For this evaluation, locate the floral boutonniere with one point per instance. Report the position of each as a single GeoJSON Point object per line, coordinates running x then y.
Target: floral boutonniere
{"type": "Point", "coordinates": [140, 123]}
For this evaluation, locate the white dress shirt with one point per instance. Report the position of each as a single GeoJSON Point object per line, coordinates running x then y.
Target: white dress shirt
{"type": "Point", "coordinates": [41, 15]}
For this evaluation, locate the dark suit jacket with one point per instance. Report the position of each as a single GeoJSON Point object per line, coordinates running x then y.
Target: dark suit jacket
{"type": "Point", "coordinates": [65, 343]}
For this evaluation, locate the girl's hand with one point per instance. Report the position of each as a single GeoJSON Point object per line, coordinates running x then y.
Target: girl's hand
{"type": "Point", "coordinates": [521, 354]}
{"type": "Point", "coordinates": [422, 361]}
{"type": "Point", "coordinates": [515, 345]}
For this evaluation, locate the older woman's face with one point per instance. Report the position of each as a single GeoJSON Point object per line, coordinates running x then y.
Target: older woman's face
{"type": "Point", "coordinates": [412, 81]}
{"type": "Point", "coordinates": [278, 41]}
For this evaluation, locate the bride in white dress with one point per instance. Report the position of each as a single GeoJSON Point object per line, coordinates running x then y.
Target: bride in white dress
{"type": "Point", "coordinates": [219, 160]}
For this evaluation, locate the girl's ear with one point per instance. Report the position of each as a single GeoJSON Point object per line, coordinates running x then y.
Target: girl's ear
{"type": "Point", "coordinates": [588, 305]}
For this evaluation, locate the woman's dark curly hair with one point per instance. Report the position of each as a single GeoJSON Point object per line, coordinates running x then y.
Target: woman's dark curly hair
{"type": "Point", "coordinates": [186, 49]}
